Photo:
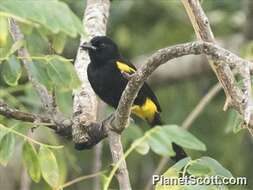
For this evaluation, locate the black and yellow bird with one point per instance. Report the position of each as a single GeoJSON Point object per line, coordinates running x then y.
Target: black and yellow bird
{"type": "Point", "coordinates": [106, 76]}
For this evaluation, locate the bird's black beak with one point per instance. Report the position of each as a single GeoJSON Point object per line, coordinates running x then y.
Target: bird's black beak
{"type": "Point", "coordinates": [88, 46]}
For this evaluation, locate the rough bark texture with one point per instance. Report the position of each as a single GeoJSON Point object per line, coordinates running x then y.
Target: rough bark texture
{"type": "Point", "coordinates": [46, 98]}
{"type": "Point", "coordinates": [84, 129]}
{"type": "Point", "coordinates": [85, 102]}
{"type": "Point", "coordinates": [237, 98]}
{"type": "Point", "coordinates": [96, 131]}
{"type": "Point", "coordinates": [13, 113]}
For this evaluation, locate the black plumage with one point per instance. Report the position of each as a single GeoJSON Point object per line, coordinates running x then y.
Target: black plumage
{"type": "Point", "coordinates": [105, 74]}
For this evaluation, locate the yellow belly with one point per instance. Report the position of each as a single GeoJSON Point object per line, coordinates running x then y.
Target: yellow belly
{"type": "Point", "coordinates": [146, 111]}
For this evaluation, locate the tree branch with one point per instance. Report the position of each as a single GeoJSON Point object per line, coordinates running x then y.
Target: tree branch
{"type": "Point", "coordinates": [201, 105]}
{"type": "Point", "coordinates": [85, 102]}
{"type": "Point", "coordinates": [205, 100]}
{"type": "Point", "coordinates": [12, 113]}
{"type": "Point", "coordinates": [46, 98]}
{"type": "Point", "coordinates": [219, 55]}
{"type": "Point", "coordinates": [63, 124]}
{"type": "Point", "coordinates": [239, 99]}
{"type": "Point", "coordinates": [95, 132]}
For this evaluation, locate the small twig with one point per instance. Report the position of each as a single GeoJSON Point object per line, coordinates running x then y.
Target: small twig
{"type": "Point", "coordinates": [216, 53]}
{"type": "Point", "coordinates": [12, 113]}
{"type": "Point", "coordinates": [80, 179]}
{"type": "Point", "coordinates": [97, 164]}
{"type": "Point", "coordinates": [162, 163]}
{"type": "Point", "coordinates": [187, 124]}
{"type": "Point", "coordinates": [25, 180]}
{"type": "Point", "coordinates": [201, 105]}
{"type": "Point", "coordinates": [98, 150]}
{"type": "Point", "coordinates": [63, 124]}
{"type": "Point", "coordinates": [45, 97]}
{"type": "Point", "coordinates": [85, 102]}
{"type": "Point", "coordinates": [29, 138]}
{"type": "Point", "coordinates": [118, 157]}
{"type": "Point", "coordinates": [239, 99]}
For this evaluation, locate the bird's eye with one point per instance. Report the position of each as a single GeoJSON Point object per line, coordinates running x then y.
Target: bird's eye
{"type": "Point", "coordinates": [103, 45]}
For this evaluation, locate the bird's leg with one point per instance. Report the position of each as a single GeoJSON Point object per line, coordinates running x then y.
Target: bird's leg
{"type": "Point", "coordinates": [126, 75]}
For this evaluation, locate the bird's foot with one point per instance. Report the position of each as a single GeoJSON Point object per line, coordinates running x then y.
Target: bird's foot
{"type": "Point", "coordinates": [126, 75]}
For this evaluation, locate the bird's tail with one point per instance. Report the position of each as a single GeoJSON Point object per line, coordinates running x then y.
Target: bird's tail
{"type": "Point", "coordinates": [180, 153]}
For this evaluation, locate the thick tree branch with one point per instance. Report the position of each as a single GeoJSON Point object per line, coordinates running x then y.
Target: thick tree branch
{"type": "Point", "coordinates": [239, 99]}
{"type": "Point", "coordinates": [12, 113]}
{"type": "Point", "coordinates": [219, 55]}
{"type": "Point", "coordinates": [179, 70]}
{"type": "Point", "coordinates": [95, 132]}
{"type": "Point", "coordinates": [85, 102]}
{"type": "Point", "coordinates": [47, 98]}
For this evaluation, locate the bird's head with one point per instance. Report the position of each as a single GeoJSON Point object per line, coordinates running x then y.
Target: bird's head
{"type": "Point", "coordinates": [101, 49]}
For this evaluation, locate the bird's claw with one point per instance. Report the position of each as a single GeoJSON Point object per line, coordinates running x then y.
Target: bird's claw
{"type": "Point", "coordinates": [126, 75]}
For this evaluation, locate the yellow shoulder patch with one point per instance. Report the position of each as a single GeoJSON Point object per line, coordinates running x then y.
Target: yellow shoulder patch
{"type": "Point", "coordinates": [124, 67]}
{"type": "Point", "coordinates": [146, 111]}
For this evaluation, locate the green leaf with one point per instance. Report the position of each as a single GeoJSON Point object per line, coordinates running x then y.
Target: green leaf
{"type": "Point", "coordinates": [199, 169]}
{"type": "Point", "coordinates": [64, 100]}
{"type": "Point", "coordinates": [49, 166]}
{"type": "Point", "coordinates": [183, 138]}
{"type": "Point", "coordinates": [39, 72]}
{"type": "Point", "coordinates": [215, 166]}
{"type": "Point", "coordinates": [31, 161]}
{"type": "Point", "coordinates": [63, 74]}
{"type": "Point", "coordinates": [7, 146]}
{"type": "Point", "coordinates": [142, 148]}
{"type": "Point", "coordinates": [160, 140]}
{"type": "Point", "coordinates": [234, 122]}
{"type": "Point", "coordinates": [58, 42]}
{"type": "Point", "coordinates": [3, 132]}
{"type": "Point", "coordinates": [54, 15]}
{"type": "Point", "coordinates": [131, 133]}
{"type": "Point", "coordinates": [16, 46]}
{"type": "Point", "coordinates": [12, 71]}
{"type": "Point", "coordinates": [159, 143]}
{"type": "Point", "coordinates": [173, 172]}
{"type": "Point", "coordinates": [176, 168]}
{"type": "Point", "coordinates": [3, 31]}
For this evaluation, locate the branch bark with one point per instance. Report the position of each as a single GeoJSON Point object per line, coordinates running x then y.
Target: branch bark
{"type": "Point", "coordinates": [46, 98]}
{"type": "Point", "coordinates": [239, 99]}
{"type": "Point", "coordinates": [219, 55]}
{"type": "Point", "coordinates": [85, 102]}
{"type": "Point", "coordinates": [95, 131]}
{"type": "Point", "coordinates": [201, 105]}
{"type": "Point", "coordinates": [205, 100]}
{"type": "Point", "coordinates": [12, 113]}
{"type": "Point", "coordinates": [48, 101]}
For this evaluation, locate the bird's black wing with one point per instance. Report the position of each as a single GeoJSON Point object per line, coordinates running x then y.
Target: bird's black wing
{"type": "Point", "coordinates": [125, 65]}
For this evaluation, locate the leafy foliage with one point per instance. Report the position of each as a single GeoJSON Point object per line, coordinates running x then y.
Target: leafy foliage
{"type": "Point", "coordinates": [160, 139]}
{"type": "Point", "coordinates": [55, 72]}
{"type": "Point", "coordinates": [31, 161]}
{"type": "Point", "coordinates": [11, 71]}
{"type": "Point", "coordinates": [3, 31]}
{"type": "Point", "coordinates": [44, 21]}
{"type": "Point", "coordinates": [46, 13]}
{"type": "Point", "coordinates": [7, 145]}
{"type": "Point", "coordinates": [201, 167]}
{"type": "Point", "coordinates": [49, 166]}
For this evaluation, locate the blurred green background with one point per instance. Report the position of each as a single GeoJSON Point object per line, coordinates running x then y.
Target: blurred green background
{"type": "Point", "coordinates": [141, 27]}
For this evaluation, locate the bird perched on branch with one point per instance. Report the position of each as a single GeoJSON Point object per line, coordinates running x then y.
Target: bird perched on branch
{"type": "Point", "coordinates": [107, 75]}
